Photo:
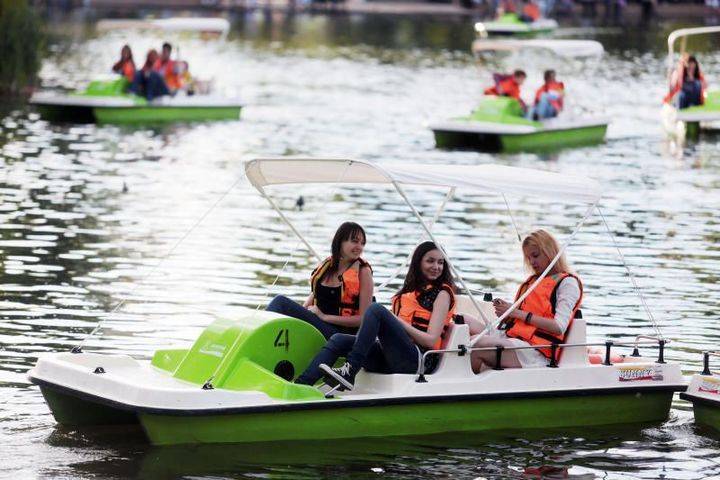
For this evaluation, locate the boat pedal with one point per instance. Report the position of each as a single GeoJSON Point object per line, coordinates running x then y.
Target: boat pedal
{"type": "Point", "coordinates": [336, 388]}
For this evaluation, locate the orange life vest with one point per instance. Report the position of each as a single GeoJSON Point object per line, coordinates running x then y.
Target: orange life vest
{"type": "Point", "coordinates": [541, 302]}
{"type": "Point", "coordinates": [126, 68]}
{"type": "Point", "coordinates": [507, 87]}
{"type": "Point", "coordinates": [531, 11]}
{"type": "Point", "coordinates": [675, 89]}
{"type": "Point", "coordinates": [167, 70]}
{"type": "Point", "coordinates": [557, 87]}
{"type": "Point", "coordinates": [349, 285]}
{"type": "Point", "coordinates": [415, 308]}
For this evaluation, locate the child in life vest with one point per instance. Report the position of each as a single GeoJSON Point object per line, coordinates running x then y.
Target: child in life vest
{"type": "Point", "coordinates": [126, 65]}
{"type": "Point", "coordinates": [543, 318]}
{"type": "Point", "coordinates": [341, 287]}
{"type": "Point", "coordinates": [394, 341]}
{"type": "Point", "coordinates": [548, 98]}
{"type": "Point", "coordinates": [508, 86]}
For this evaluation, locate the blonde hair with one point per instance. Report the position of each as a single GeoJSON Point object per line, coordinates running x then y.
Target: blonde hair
{"type": "Point", "coordinates": [547, 245]}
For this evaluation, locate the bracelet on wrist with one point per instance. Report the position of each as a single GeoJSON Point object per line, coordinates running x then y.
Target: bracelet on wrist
{"type": "Point", "coordinates": [528, 317]}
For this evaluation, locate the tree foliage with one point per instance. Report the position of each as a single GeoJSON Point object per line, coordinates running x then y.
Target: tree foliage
{"type": "Point", "coordinates": [20, 39]}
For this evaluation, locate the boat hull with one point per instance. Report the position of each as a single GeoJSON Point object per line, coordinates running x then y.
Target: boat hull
{"type": "Point", "coordinates": [75, 410]}
{"type": "Point", "coordinates": [704, 393]}
{"type": "Point", "coordinates": [145, 115]}
{"type": "Point", "coordinates": [541, 140]}
{"type": "Point", "coordinates": [410, 418]}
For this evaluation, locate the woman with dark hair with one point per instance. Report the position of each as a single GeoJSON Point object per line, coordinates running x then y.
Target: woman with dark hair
{"type": "Point", "coordinates": [687, 83]}
{"type": "Point", "coordinates": [393, 342]}
{"type": "Point", "coordinates": [126, 65]}
{"type": "Point", "coordinates": [341, 287]}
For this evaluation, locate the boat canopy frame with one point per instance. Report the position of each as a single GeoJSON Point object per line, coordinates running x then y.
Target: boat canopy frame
{"type": "Point", "coordinates": [683, 34]}
{"type": "Point", "coordinates": [500, 179]}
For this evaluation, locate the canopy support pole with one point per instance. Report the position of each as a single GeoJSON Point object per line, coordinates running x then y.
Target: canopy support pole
{"type": "Point", "coordinates": [512, 219]}
{"type": "Point", "coordinates": [440, 247]}
{"type": "Point", "coordinates": [434, 220]}
{"type": "Point", "coordinates": [288, 223]}
{"type": "Point", "coordinates": [632, 277]}
{"type": "Point", "coordinates": [537, 280]}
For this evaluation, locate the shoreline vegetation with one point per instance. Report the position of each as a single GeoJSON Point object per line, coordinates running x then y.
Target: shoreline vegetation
{"type": "Point", "coordinates": [20, 43]}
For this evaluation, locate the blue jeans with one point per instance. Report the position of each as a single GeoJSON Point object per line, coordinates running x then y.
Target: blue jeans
{"type": "Point", "coordinates": [282, 304]}
{"type": "Point", "coordinates": [544, 109]}
{"type": "Point", "coordinates": [381, 345]}
{"type": "Point", "coordinates": [150, 86]}
{"type": "Point", "coordinates": [690, 94]}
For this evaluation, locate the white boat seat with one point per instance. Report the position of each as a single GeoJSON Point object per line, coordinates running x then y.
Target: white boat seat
{"type": "Point", "coordinates": [572, 356]}
{"type": "Point", "coordinates": [463, 305]}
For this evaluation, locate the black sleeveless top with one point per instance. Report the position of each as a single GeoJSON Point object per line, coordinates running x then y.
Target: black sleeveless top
{"type": "Point", "coordinates": [328, 299]}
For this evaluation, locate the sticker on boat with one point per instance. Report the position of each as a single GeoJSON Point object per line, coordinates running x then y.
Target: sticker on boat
{"type": "Point", "coordinates": [639, 372]}
{"type": "Point", "coordinates": [710, 385]}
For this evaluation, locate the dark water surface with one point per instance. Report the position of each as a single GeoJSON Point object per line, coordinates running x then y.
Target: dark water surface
{"type": "Point", "coordinates": [89, 211]}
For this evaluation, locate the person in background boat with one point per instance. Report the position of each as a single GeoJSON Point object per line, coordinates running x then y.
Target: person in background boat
{"type": "Point", "coordinates": [168, 69]}
{"type": "Point", "coordinates": [544, 317]}
{"type": "Point", "coordinates": [508, 86]}
{"type": "Point", "coordinates": [505, 6]}
{"type": "Point", "coordinates": [548, 98]}
{"type": "Point", "coordinates": [393, 342]}
{"type": "Point", "coordinates": [687, 84]}
{"type": "Point", "coordinates": [341, 287]}
{"type": "Point", "coordinates": [126, 65]}
{"type": "Point", "coordinates": [530, 11]}
{"type": "Point", "coordinates": [147, 82]}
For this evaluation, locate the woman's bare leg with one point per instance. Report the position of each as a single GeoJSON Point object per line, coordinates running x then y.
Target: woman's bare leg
{"type": "Point", "coordinates": [508, 359]}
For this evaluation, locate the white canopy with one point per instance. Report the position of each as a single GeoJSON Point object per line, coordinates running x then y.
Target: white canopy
{"type": "Point", "coordinates": [683, 33]}
{"type": "Point", "coordinates": [488, 177]}
{"type": "Point", "coordinates": [214, 25]}
{"type": "Point", "coordinates": [563, 48]}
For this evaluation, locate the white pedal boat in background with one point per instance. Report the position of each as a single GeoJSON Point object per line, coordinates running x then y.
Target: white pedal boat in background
{"type": "Point", "coordinates": [561, 48]}
{"type": "Point", "coordinates": [213, 26]}
{"type": "Point", "coordinates": [234, 384]}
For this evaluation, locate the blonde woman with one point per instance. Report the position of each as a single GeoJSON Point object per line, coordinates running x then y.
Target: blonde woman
{"type": "Point", "coordinates": [545, 315]}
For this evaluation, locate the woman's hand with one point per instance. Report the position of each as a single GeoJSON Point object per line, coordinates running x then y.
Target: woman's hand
{"type": "Point", "coordinates": [501, 306]}
{"type": "Point", "coordinates": [314, 309]}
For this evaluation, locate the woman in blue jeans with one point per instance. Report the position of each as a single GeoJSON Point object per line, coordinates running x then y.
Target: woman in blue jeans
{"type": "Point", "coordinates": [393, 342]}
{"type": "Point", "coordinates": [341, 287]}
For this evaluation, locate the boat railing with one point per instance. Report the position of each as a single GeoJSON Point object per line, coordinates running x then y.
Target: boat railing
{"type": "Point", "coordinates": [706, 361]}
{"type": "Point", "coordinates": [462, 350]}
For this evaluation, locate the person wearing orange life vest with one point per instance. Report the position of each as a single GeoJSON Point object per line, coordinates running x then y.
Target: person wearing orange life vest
{"type": "Point", "coordinates": [548, 98]}
{"type": "Point", "coordinates": [147, 82]}
{"type": "Point", "coordinates": [687, 84]}
{"type": "Point", "coordinates": [508, 86]}
{"type": "Point", "coordinates": [543, 318]}
{"type": "Point", "coordinates": [341, 287]}
{"type": "Point", "coordinates": [167, 68]}
{"type": "Point", "coordinates": [530, 11]}
{"type": "Point", "coordinates": [393, 341]}
{"type": "Point", "coordinates": [126, 65]}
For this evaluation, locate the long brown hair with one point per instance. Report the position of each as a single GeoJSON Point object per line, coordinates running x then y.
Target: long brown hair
{"type": "Point", "coordinates": [415, 280]}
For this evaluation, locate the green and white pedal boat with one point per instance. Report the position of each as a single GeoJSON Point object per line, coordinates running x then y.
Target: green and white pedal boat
{"type": "Point", "coordinates": [108, 102]}
{"type": "Point", "coordinates": [498, 125]}
{"type": "Point", "coordinates": [510, 24]}
{"type": "Point", "coordinates": [704, 394]}
{"type": "Point", "coordinates": [688, 123]}
{"type": "Point", "coordinates": [558, 48]}
{"type": "Point", "coordinates": [234, 384]}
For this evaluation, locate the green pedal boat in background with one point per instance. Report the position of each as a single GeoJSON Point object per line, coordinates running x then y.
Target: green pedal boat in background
{"type": "Point", "coordinates": [498, 125]}
{"type": "Point", "coordinates": [234, 384]}
{"type": "Point", "coordinates": [704, 394]}
{"type": "Point", "coordinates": [510, 24]}
{"type": "Point", "coordinates": [108, 102]}
{"type": "Point", "coordinates": [688, 123]}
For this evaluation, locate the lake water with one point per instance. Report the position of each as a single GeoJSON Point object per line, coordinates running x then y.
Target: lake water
{"type": "Point", "coordinates": [92, 215]}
